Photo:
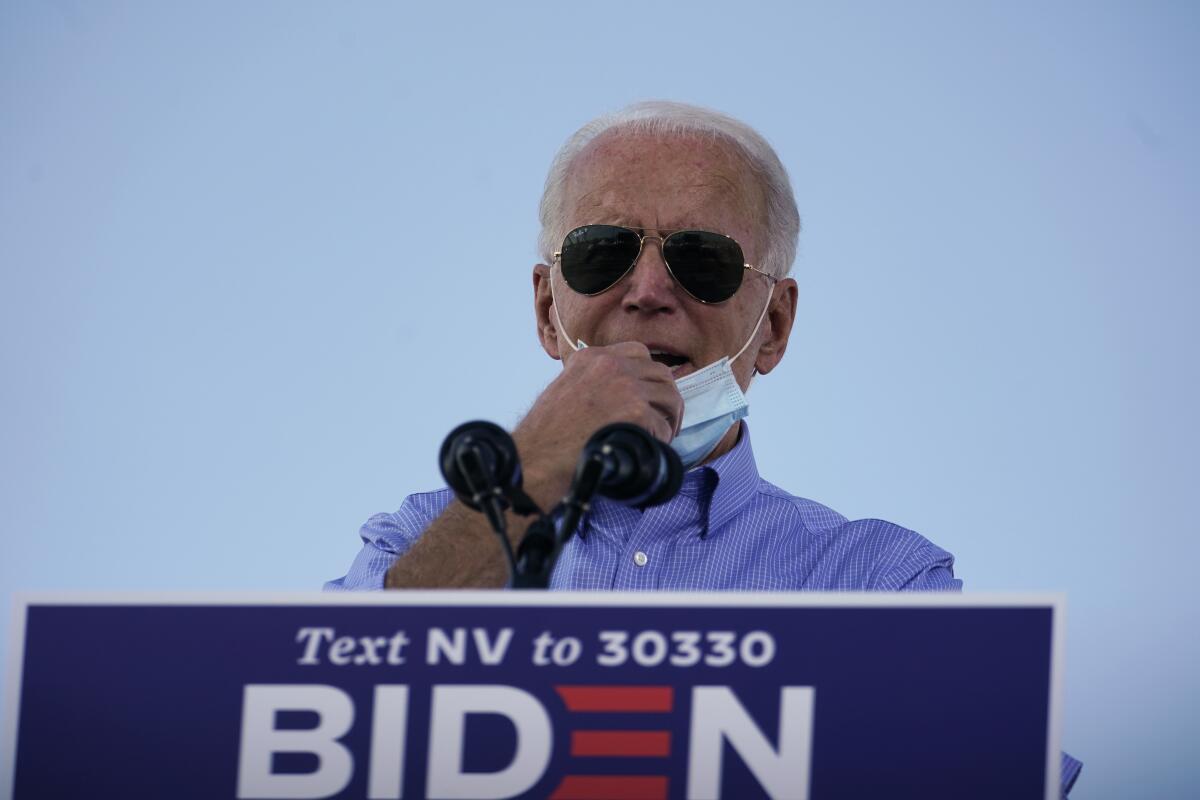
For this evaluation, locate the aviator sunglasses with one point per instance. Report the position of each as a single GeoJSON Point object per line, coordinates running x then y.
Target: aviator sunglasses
{"type": "Point", "coordinates": [708, 266]}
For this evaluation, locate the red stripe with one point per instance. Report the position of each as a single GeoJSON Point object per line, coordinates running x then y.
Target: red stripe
{"type": "Point", "coordinates": [617, 698]}
{"type": "Point", "coordinates": [621, 743]}
{"type": "Point", "coordinates": [611, 787]}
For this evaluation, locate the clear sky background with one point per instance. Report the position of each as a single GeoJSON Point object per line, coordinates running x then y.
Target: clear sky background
{"type": "Point", "coordinates": [257, 259]}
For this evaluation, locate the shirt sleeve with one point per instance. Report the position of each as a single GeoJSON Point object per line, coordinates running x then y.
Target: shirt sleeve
{"type": "Point", "coordinates": [924, 568]}
{"type": "Point", "coordinates": [386, 537]}
{"type": "Point", "coordinates": [1069, 772]}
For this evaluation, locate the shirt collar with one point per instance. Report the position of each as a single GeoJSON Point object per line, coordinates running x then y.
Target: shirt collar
{"type": "Point", "coordinates": [729, 481]}
{"type": "Point", "coordinates": [721, 489]}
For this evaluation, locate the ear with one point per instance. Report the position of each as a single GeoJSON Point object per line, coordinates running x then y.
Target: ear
{"type": "Point", "coordinates": [780, 316]}
{"type": "Point", "coordinates": [543, 304]}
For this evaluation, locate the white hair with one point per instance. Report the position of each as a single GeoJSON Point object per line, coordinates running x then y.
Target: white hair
{"type": "Point", "coordinates": [665, 118]}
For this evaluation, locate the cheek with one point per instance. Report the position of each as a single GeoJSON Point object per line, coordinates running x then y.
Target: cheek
{"type": "Point", "coordinates": [716, 333]}
{"type": "Point", "coordinates": [736, 327]}
{"type": "Point", "coordinates": [579, 315]}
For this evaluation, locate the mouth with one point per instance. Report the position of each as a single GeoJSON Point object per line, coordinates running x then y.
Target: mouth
{"type": "Point", "coordinates": [677, 362]}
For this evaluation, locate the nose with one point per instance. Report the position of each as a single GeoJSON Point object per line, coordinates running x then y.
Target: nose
{"type": "Point", "coordinates": [649, 287]}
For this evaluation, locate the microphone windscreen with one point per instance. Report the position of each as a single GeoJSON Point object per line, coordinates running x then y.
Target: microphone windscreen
{"type": "Point", "coordinates": [639, 470]}
{"type": "Point", "coordinates": [478, 455]}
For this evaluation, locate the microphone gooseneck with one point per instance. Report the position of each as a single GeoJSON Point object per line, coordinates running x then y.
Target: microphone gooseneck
{"type": "Point", "coordinates": [636, 469]}
{"type": "Point", "coordinates": [621, 461]}
{"type": "Point", "coordinates": [479, 460]}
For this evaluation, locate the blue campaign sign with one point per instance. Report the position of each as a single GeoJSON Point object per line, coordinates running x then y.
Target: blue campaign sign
{"type": "Point", "coordinates": [572, 696]}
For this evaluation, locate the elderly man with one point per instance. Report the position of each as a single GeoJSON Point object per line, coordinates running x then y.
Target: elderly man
{"type": "Point", "coordinates": [667, 235]}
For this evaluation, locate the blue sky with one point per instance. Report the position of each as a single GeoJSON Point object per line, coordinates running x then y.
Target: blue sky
{"type": "Point", "coordinates": [257, 259]}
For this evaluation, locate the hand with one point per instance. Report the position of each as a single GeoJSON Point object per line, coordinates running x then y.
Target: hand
{"type": "Point", "coordinates": [598, 386]}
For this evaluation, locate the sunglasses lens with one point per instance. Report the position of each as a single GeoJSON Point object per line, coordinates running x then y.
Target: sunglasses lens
{"type": "Point", "coordinates": [708, 265]}
{"type": "Point", "coordinates": [595, 257]}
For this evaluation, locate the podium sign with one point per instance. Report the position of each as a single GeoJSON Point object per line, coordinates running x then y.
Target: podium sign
{"type": "Point", "coordinates": [563, 695]}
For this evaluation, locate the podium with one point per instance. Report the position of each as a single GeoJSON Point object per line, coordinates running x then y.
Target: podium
{"type": "Point", "coordinates": [566, 695]}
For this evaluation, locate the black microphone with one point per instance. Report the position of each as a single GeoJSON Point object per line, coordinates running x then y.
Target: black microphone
{"type": "Point", "coordinates": [479, 462]}
{"type": "Point", "coordinates": [636, 469]}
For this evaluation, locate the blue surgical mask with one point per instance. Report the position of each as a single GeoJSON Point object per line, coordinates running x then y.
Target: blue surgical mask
{"type": "Point", "coordinates": [712, 403]}
{"type": "Point", "coordinates": [712, 399]}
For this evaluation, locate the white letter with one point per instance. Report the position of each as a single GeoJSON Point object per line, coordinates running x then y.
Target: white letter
{"type": "Point", "coordinates": [566, 651]}
{"type": "Point", "coordinates": [543, 641]}
{"type": "Point", "coordinates": [495, 653]}
{"type": "Point", "coordinates": [389, 721]}
{"type": "Point", "coordinates": [451, 704]}
{"type": "Point", "coordinates": [335, 765]}
{"type": "Point", "coordinates": [782, 771]}
{"type": "Point", "coordinates": [314, 636]}
{"type": "Point", "coordinates": [455, 651]}
{"type": "Point", "coordinates": [395, 645]}
{"type": "Point", "coordinates": [340, 650]}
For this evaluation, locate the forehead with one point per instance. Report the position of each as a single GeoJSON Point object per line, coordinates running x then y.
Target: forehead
{"type": "Point", "coordinates": [660, 182]}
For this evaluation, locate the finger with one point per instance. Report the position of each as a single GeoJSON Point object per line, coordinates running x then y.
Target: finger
{"type": "Point", "coordinates": [635, 350]}
{"type": "Point", "coordinates": [668, 404]}
{"type": "Point", "coordinates": [657, 423]}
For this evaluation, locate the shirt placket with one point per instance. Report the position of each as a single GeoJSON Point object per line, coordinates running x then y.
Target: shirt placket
{"type": "Point", "coordinates": [645, 553]}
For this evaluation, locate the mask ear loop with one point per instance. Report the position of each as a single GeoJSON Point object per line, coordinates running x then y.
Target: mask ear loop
{"type": "Point", "coordinates": [753, 332]}
{"type": "Point", "coordinates": [558, 319]}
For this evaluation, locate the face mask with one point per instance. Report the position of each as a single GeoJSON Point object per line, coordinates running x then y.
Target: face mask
{"type": "Point", "coordinates": [712, 399]}
{"type": "Point", "coordinates": [712, 403]}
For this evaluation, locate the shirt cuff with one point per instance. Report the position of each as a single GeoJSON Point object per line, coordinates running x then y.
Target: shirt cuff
{"type": "Point", "coordinates": [1070, 773]}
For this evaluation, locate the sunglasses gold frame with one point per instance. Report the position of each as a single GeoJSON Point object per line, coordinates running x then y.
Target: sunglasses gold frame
{"type": "Point", "coordinates": [642, 237]}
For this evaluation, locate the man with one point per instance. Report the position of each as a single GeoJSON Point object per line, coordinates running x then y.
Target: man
{"type": "Point", "coordinates": [656, 168]}
{"type": "Point", "coordinates": [667, 235]}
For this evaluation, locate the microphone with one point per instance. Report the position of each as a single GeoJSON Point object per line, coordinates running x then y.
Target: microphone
{"type": "Point", "coordinates": [636, 469]}
{"type": "Point", "coordinates": [479, 462]}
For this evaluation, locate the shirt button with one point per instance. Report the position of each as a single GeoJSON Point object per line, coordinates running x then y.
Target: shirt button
{"type": "Point", "coordinates": [640, 558]}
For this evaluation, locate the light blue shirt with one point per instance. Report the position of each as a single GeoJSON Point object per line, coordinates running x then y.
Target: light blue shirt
{"type": "Point", "coordinates": [728, 528]}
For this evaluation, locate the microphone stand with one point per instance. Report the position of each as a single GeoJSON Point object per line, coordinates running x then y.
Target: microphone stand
{"type": "Point", "coordinates": [536, 555]}
{"type": "Point", "coordinates": [539, 550]}
{"type": "Point", "coordinates": [533, 563]}
{"type": "Point", "coordinates": [480, 463]}
{"type": "Point", "coordinates": [579, 496]}
{"type": "Point", "coordinates": [486, 496]}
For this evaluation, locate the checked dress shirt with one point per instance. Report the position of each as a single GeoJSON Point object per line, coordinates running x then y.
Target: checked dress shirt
{"type": "Point", "coordinates": [728, 528]}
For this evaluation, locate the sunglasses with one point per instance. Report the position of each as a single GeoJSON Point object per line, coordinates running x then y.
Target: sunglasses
{"type": "Point", "coordinates": [708, 266]}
